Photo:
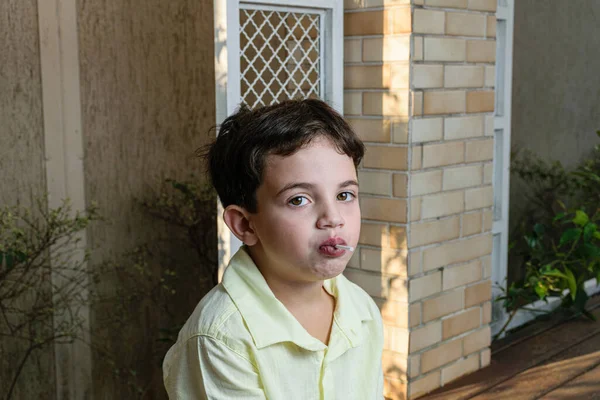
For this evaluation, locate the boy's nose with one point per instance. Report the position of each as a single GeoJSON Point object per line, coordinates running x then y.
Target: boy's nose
{"type": "Point", "coordinates": [330, 218]}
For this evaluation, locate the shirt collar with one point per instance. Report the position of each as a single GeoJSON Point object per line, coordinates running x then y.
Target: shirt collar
{"type": "Point", "coordinates": [268, 320]}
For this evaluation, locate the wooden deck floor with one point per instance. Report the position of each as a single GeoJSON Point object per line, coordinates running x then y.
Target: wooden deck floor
{"type": "Point", "coordinates": [555, 359]}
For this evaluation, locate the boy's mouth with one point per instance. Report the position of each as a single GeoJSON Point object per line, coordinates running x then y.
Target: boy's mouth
{"type": "Point", "coordinates": [328, 247]}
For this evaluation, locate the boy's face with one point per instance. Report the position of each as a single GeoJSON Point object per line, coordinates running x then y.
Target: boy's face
{"type": "Point", "coordinates": [308, 202]}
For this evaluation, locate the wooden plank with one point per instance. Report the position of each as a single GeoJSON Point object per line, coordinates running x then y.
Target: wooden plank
{"type": "Point", "coordinates": [585, 387]}
{"type": "Point", "coordinates": [516, 359]}
{"type": "Point", "coordinates": [534, 382]}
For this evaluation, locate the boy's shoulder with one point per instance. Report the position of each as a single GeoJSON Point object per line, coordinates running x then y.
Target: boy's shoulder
{"type": "Point", "coordinates": [215, 316]}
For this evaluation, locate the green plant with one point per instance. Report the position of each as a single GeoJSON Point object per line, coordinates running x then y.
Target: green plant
{"type": "Point", "coordinates": [44, 280]}
{"type": "Point", "coordinates": [557, 245]}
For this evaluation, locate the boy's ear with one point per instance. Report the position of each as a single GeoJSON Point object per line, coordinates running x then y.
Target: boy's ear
{"type": "Point", "coordinates": [237, 220]}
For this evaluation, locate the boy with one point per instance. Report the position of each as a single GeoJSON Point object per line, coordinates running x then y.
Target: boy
{"type": "Point", "coordinates": [284, 323]}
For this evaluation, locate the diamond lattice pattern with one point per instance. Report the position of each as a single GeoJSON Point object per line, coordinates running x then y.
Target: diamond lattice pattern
{"type": "Point", "coordinates": [280, 56]}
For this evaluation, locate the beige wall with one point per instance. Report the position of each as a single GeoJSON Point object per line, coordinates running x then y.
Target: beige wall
{"type": "Point", "coordinates": [556, 95]}
{"type": "Point", "coordinates": [22, 175]}
{"type": "Point", "coordinates": [147, 90]}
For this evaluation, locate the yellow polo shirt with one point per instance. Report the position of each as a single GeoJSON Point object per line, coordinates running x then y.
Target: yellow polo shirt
{"type": "Point", "coordinates": [242, 343]}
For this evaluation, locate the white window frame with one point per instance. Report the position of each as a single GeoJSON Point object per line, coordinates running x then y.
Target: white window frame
{"type": "Point", "coordinates": [227, 71]}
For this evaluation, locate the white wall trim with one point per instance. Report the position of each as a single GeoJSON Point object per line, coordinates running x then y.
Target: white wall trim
{"type": "Point", "coordinates": [59, 54]}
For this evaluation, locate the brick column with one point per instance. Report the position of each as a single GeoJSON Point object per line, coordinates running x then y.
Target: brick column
{"type": "Point", "coordinates": [419, 80]}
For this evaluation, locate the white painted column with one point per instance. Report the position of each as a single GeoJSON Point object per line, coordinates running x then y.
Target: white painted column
{"type": "Point", "coordinates": [59, 53]}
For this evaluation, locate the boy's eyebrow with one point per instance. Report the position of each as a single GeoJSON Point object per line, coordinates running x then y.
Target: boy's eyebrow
{"type": "Point", "coordinates": [308, 186]}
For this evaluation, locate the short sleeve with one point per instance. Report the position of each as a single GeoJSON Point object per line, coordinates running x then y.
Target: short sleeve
{"type": "Point", "coordinates": [206, 368]}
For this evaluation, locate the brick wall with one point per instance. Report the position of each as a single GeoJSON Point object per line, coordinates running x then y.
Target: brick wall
{"type": "Point", "coordinates": [419, 90]}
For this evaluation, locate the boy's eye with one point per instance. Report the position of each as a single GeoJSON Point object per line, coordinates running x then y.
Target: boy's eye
{"type": "Point", "coordinates": [298, 201]}
{"type": "Point", "coordinates": [345, 196]}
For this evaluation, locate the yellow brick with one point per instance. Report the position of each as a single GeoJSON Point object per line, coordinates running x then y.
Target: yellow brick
{"type": "Point", "coordinates": [444, 49]}
{"type": "Point", "coordinates": [371, 130]}
{"type": "Point", "coordinates": [395, 365]}
{"type": "Point", "coordinates": [486, 313]}
{"type": "Point", "coordinates": [447, 3]}
{"type": "Point", "coordinates": [386, 103]}
{"type": "Point", "coordinates": [363, 23]}
{"type": "Point", "coordinates": [392, 210]}
{"type": "Point", "coordinates": [486, 358]}
{"type": "Point", "coordinates": [441, 355]}
{"type": "Point", "coordinates": [395, 339]}
{"type": "Point", "coordinates": [479, 198]}
{"type": "Point", "coordinates": [414, 316]}
{"type": "Point", "coordinates": [461, 323]}
{"type": "Point", "coordinates": [488, 171]}
{"type": "Point", "coordinates": [480, 150]}
{"type": "Point", "coordinates": [352, 50]}
{"type": "Point", "coordinates": [480, 101]}
{"type": "Point", "coordinates": [398, 289]}
{"type": "Point", "coordinates": [488, 220]}
{"type": "Point", "coordinates": [463, 127]}
{"type": "Point", "coordinates": [428, 21]}
{"type": "Point", "coordinates": [425, 336]}
{"type": "Point", "coordinates": [367, 76]}
{"type": "Point", "coordinates": [414, 263]}
{"type": "Point", "coordinates": [399, 75]}
{"type": "Point", "coordinates": [397, 20]}
{"type": "Point", "coordinates": [425, 286]}
{"type": "Point", "coordinates": [374, 234]}
{"type": "Point", "coordinates": [489, 125]}
{"type": "Point", "coordinates": [400, 131]}
{"type": "Point", "coordinates": [352, 103]}
{"type": "Point", "coordinates": [425, 384]}
{"type": "Point", "coordinates": [386, 261]}
{"type": "Point", "coordinates": [417, 103]}
{"type": "Point", "coordinates": [490, 76]}
{"type": "Point", "coordinates": [436, 155]}
{"type": "Point", "coordinates": [477, 340]}
{"type": "Point", "coordinates": [486, 266]}
{"type": "Point", "coordinates": [455, 252]}
{"type": "Point", "coordinates": [355, 259]}
{"type": "Point", "coordinates": [417, 158]}
{"type": "Point", "coordinates": [400, 185]}
{"type": "Point", "coordinates": [386, 157]}
{"type": "Point", "coordinates": [418, 48]}
{"type": "Point", "coordinates": [462, 24]}
{"type": "Point", "coordinates": [460, 368]}
{"type": "Point", "coordinates": [375, 182]}
{"type": "Point", "coordinates": [471, 224]}
{"type": "Point", "coordinates": [415, 209]}
{"type": "Point", "coordinates": [478, 293]}
{"type": "Point", "coordinates": [427, 76]}
{"type": "Point", "coordinates": [490, 31]}
{"type": "Point", "coordinates": [388, 48]}
{"type": "Point", "coordinates": [444, 304]}
{"type": "Point", "coordinates": [461, 275]}
{"type": "Point", "coordinates": [371, 282]}
{"type": "Point", "coordinates": [459, 76]}
{"type": "Point", "coordinates": [462, 177]}
{"type": "Point", "coordinates": [444, 102]}
{"type": "Point", "coordinates": [434, 231]}
{"type": "Point", "coordinates": [395, 313]}
{"type": "Point", "coordinates": [427, 129]}
{"type": "Point", "coordinates": [425, 182]}
{"type": "Point", "coordinates": [443, 204]}
{"type": "Point", "coordinates": [414, 366]}
{"type": "Point", "coordinates": [480, 51]}
{"type": "Point", "coordinates": [482, 5]}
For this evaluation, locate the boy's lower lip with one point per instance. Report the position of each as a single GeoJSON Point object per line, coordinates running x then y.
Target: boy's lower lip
{"type": "Point", "coordinates": [331, 251]}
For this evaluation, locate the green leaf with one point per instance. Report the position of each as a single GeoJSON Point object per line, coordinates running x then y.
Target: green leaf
{"type": "Point", "coordinates": [572, 282]}
{"type": "Point", "coordinates": [597, 235]}
{"type": "Point", "coordinates": [570, 235]}
{"type": "Point", "coordinates": [588, 231]}
{"type": "Point", "coordinates": [559, 216]}
{"type": "Point", "coordinates": [539, 229]}
{"type": "Point", "coordinates": [556, 273]}
{"type": "Point", "coordinates": [581, 218]}
{"type": "Point", "coordinates": [589, 315]}
{"type": "Point", "coordinates": [541, 290]}
{"type": "Point", "coordinates": [598, 133]}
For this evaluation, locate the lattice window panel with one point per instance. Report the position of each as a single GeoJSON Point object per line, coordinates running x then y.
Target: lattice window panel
{"type": "Point", "coordinates": [280, 56]}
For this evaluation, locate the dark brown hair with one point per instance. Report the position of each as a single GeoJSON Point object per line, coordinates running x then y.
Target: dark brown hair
{"type": "Point", "coordinates": [236, 158]}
